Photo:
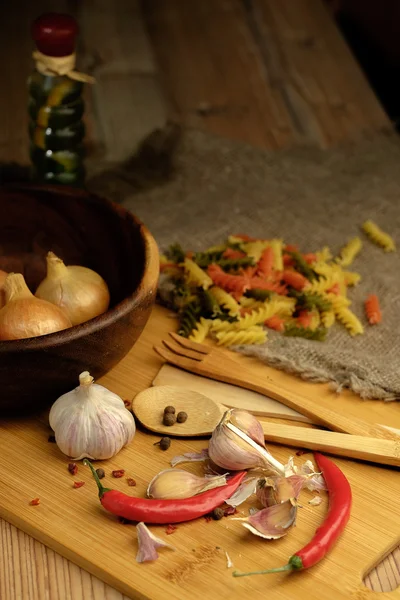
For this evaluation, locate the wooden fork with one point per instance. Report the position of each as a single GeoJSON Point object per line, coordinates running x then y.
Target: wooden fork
{"type": "Point", "coordinates": [218, 364]}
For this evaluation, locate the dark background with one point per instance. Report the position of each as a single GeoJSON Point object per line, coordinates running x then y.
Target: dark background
{"type": "Point", "coordinates": [372, 30]}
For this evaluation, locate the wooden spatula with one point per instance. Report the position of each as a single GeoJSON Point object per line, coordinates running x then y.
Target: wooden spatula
{"type": "Point", "coordinates": [221, 365]}
{"type": "Point", "coordinates": [232, 396]}
{"type": "Point", "coordinates": [204, 414]}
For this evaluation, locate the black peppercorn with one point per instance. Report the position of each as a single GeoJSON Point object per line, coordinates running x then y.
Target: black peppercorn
{"type": "Point", "coordinates": [217, 514]}
{"type": "Point", "coordinates": [181, 417]}
{"type": "Point", "coordinates": [100, 473]}
{"type": "Point", "coordinates": [165, 443]}
{"type": "Point", "coordinates": [169, 419]}
{"type": "Point", "coordinates": [169, 409]}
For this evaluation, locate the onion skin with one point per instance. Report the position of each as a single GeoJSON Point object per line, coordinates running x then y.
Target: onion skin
{"type": "Point", "coordinates": [25, 316]}
{"type": "Point", "coordinates": [80, 292]}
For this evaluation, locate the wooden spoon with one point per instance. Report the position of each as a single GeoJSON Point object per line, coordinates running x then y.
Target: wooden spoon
{"type": "Point", "coordinates": [203, 414]}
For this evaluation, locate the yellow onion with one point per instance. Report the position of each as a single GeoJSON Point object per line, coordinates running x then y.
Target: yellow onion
{"type": "Point", "coordinates": [178, 483]}
{"type": "Point", "coordinates": [3, 276]}
{"type": "Point", "coordinates": [80, 292]}
{"type": "Point", "coordinates": [25, 316]}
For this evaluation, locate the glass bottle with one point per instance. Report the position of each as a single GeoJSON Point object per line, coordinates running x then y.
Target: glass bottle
{"type": "Point", "coordinates": [56, 107]}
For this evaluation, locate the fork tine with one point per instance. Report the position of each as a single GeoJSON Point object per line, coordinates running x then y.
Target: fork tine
{"type": "Point", "coordinates": [177, 349]}
{"type": "Point", "coordinates": [174, 359]}
{"type": "Point", "coordinates": [185, 343]}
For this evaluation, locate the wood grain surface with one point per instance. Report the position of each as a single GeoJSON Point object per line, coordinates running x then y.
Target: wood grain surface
{"type": "Point", "coordinates": [72, 521]}
{"type": "Point", "coordinates": [292, 62]}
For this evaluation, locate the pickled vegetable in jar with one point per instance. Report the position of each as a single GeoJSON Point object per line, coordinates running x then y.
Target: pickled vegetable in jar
{"type": "Point", "coordinates": [56, 106]}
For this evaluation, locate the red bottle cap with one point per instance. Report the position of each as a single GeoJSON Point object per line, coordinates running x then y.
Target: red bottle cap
{"type": "Point", "coordinates": [55, 34]}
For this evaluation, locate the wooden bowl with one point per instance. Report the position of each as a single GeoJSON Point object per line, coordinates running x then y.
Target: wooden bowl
{"type": "Point", "coordinates": [82, 229]}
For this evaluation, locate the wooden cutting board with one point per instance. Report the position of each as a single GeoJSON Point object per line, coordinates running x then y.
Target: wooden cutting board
{"type": "Point", "coordinates": [72, 522]}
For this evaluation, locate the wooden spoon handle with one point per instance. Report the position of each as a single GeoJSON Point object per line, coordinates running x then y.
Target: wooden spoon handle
{"type": "Point", "coordinates": [381, 451]}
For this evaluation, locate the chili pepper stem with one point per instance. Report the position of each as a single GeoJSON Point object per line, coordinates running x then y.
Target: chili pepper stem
{"type": "Point", "coordinates": [264, 572]}
{"type": "Point", "coordinates": [102, 489]}
{"type": "Point", "coordinates": [295, 564]}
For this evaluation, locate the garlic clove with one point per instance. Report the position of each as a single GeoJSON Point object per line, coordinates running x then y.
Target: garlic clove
{"type": "Point", "coordinates": [273, 522]}
{"type": "Point", "coordinates": [247, 423]}
{"type": "Point", "coordinates": [148, 543]}
{"type": "Point", "coordinates": [233, 450]}
{"type": "Point", "coordinates": [91, 421]}
{"type": "Point", "coordinates": [178, 483]}
{"type": "Point", "coordinates": [275, 490]}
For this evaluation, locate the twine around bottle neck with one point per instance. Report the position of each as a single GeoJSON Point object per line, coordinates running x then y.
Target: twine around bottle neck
{"type": "Point", "coordinates": [60, 65]}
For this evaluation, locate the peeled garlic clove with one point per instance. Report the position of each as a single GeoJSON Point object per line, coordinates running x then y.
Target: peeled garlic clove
{"type": "Point", "coordinates": [248, 423]}
{"type": "Point", "coordinates": [178, 483]}
{"type": "Point", "coordinates": [91, 422]}
{"type": "Point", "coordinates": [275, 490]}
{"type": "Point", "coordinates": [273, 522]}
{"type": "Point", "coordinates": [233, 450]}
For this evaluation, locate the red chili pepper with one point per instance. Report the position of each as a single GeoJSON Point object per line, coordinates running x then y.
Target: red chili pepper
{"type": "Point", "coordinates": [151, 510]}
{"type": "Point", "coordinates": [325, 537]}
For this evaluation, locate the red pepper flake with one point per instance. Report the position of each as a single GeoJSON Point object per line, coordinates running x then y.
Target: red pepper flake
{"type": "Point", "coordinates": [130, 481]}
{"type": "Point", "coordinates": [73, 468]}
{"type": "Point", "coordinates": [35, 502]}
{"type": "Point", "coordinates": [170, 529]}
{"type": "Point", "coordinates": [128, 404]}
{"type": "Point", "coordinates": [78, 484]}
{"type": "Point", "coordinates": [229, 510]}
{"type": "Point", "coordinates": [118, 473]}
{"type": "Point", "coordinates": [51, 439]}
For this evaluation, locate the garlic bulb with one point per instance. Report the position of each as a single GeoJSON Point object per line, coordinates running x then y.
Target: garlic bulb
{"type": "Point", "coordinates": [178, 483]}
{"type": "Point", "coordinates": [232, 448]}
{"type": "Point", "coordinates": [80, 292]}
{"type": "Point", "coordinates": [25, 316]}
{"type": "Point", "coordinates": [90, 421]}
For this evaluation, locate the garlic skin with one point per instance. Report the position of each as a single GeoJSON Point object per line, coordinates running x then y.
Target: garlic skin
{"type": "Point", "coordinates": [234, 450]}
{"type": "Point", "coordinates": [178, 483]}
{"type": "Point", "coordinates": [91, 422]}
{"type": "Point", "coordinates": [275, 490]}
{"type": "Point", "coordinates": [80, 292]}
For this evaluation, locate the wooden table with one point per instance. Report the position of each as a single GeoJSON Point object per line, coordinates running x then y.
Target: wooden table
{"type": "Point", "coordinates": [257, 71]}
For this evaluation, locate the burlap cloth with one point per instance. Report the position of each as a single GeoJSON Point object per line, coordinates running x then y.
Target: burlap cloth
{"type": "Point", "coordinates": [309, 197]}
